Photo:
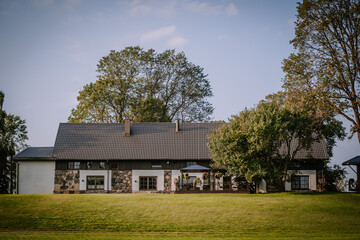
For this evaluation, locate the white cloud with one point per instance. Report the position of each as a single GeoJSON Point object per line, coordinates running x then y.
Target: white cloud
{"type": "Point", "coordinates": [203, 7]}
{"type": "Point", "coordinates": [177, 42]}
{"type": "Point", "coordinates": [168, 34]}
{"type": "Point", "coordinates": [157, 34]}
{"type": "Point", "coordinates": [231, 10]}
{"type": "Point", "coordinates": [139, 8]}
{"type": "Point", "coordinates": [162, 8]}
{"type": "Point", "coordinates": [208, 9]}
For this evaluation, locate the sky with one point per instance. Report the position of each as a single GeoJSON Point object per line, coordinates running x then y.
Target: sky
{"type": "Point", "coordinates": [49, 49]}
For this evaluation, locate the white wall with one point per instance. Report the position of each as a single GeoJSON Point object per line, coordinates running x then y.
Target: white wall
{"type": "Point", "coordinates": [310, 173]}
{"type": "Point", "coordinates": [36, 177]}
{"type": "Point", "coordinates": [148, 173]}
{"type": "Point", "coordinates": [85, 173]}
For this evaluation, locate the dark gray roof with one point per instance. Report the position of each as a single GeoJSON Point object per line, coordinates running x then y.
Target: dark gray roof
{"type": "Point", "coordinates": [35, 153]}
{"type": "Point", "coordinates": [317, 151]}
{"type": "Point", "coordinates": [105, 141]}
{"type": "Point", "coordinates": [353, 161]}
{"type": "Point", "coordinates": [147, 141]}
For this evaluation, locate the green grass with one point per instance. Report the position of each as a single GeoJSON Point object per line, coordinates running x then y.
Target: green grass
{"type": "Point", "coordinates": [169, 216]}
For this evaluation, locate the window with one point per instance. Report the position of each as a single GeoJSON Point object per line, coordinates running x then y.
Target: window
{"type": "Point", "coordinates": [148, 183]}
{"type": "Point", "coordinates": [95, 165]}
{"type": "Point", "coordinates": [156, 164]}
{"type": "Point", "coordinates": [73, 165]}
{"type": "Point", "coordinates": [76, 165]}
{"type": "Point", "coordinates": [188, 164]}
{"type": "Point", "coordinates": [299, 182]}
{"type": "Point", "coordinates": [95, 182]}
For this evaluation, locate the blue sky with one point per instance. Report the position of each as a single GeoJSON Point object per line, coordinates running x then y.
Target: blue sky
{"type": "Point", "coordinates": [49, 50]}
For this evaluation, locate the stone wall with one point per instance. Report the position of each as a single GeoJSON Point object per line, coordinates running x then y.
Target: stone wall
{"type": "Point", "coordinates": [167, 181]}
{"type": "Point", "coordinates": [66, 181]}
{"type": "Point", "coordinates": [121, 181]}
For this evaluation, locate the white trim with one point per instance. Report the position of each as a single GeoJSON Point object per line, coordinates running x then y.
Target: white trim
{"type": "Point", "coordinates": [147, 173]}
{"type": "Point", "coordinates": [310, 173]}
{"type": "Point", "coordinates": [85, 173]}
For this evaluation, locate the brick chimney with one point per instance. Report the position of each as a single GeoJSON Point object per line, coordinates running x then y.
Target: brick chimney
{"type": "Point", "coordinates": [127, 130]}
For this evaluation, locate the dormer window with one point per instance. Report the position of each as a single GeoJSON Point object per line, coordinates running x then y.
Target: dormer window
{"type": "Point", "coordinates": [73, 165]}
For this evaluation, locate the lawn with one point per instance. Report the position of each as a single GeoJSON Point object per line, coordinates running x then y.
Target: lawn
{"type": "Point", "coordinates": [192, 216]}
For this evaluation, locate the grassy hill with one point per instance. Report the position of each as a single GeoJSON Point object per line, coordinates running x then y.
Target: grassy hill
{"type": "Point", "coordinates": [169, 216]}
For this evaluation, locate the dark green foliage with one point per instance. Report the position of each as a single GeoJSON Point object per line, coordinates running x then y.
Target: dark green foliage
{"type": "Point", "coordinates": [256, 143]}
{"type": "Point", "coordinates": [334, 178]}
{"type": "Point", "coordinates": [331, 128]}
{"type": "Point", "coordinates": [12, 138]}
{"type": "Point", "coordinates": [145, 86]}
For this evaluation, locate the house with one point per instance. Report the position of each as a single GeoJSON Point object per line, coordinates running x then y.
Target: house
{"type": "Point", "coordinates": [141, 157]}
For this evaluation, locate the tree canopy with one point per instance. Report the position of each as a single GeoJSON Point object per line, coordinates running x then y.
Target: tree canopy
{"type": "Point", "coordinates": [13, 135]}
{"type": "Point", "coordinates": [256, 143]}
{"type": "Point", "coordinates": [325, 70]}
{"type": "Point", "coordinates": [145, 86]}
{"type": "Point", "coordinates": [331, 128]}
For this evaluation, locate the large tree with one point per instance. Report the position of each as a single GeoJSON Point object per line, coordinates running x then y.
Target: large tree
{"type": "Point", "coordinates": [262, 142]}
{"type": "Point", "coordinates": [145, 86]}
{"type": "Point", "coordinates": [13, 135]}
{"type": "Point", "coordinates": [296, 101]}
{"type": "Point", "coordinates": [325, 70]}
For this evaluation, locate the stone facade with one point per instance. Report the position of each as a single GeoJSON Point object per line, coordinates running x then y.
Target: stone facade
{"type": "Point", "coordinates": [167, 181]}
{"type": "Point", "coordinates": [121, 181]}
{"type": "Point", "coordinates": [66, 181]}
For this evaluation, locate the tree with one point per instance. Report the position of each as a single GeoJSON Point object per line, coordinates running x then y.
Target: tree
{"type": "Point", "coordinates": [145, 86]}
{"type": "Point", "coordinates": [335, 178]}
{"type": "Point", "coordinates": [325, 70]}
{"type": "Point", "coordinates": [256, 143]}
{"type": "Point", "coordinates": [297, 101]}
{"type": "Point", "coordinates": [13, 135]}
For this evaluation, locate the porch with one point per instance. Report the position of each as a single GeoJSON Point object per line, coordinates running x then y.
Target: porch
{"type": "Point", "coordinates": [199, 179]}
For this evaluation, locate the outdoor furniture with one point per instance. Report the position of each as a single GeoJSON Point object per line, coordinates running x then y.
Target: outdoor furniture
{"type": "Point", "coordinates": [192, 169]}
